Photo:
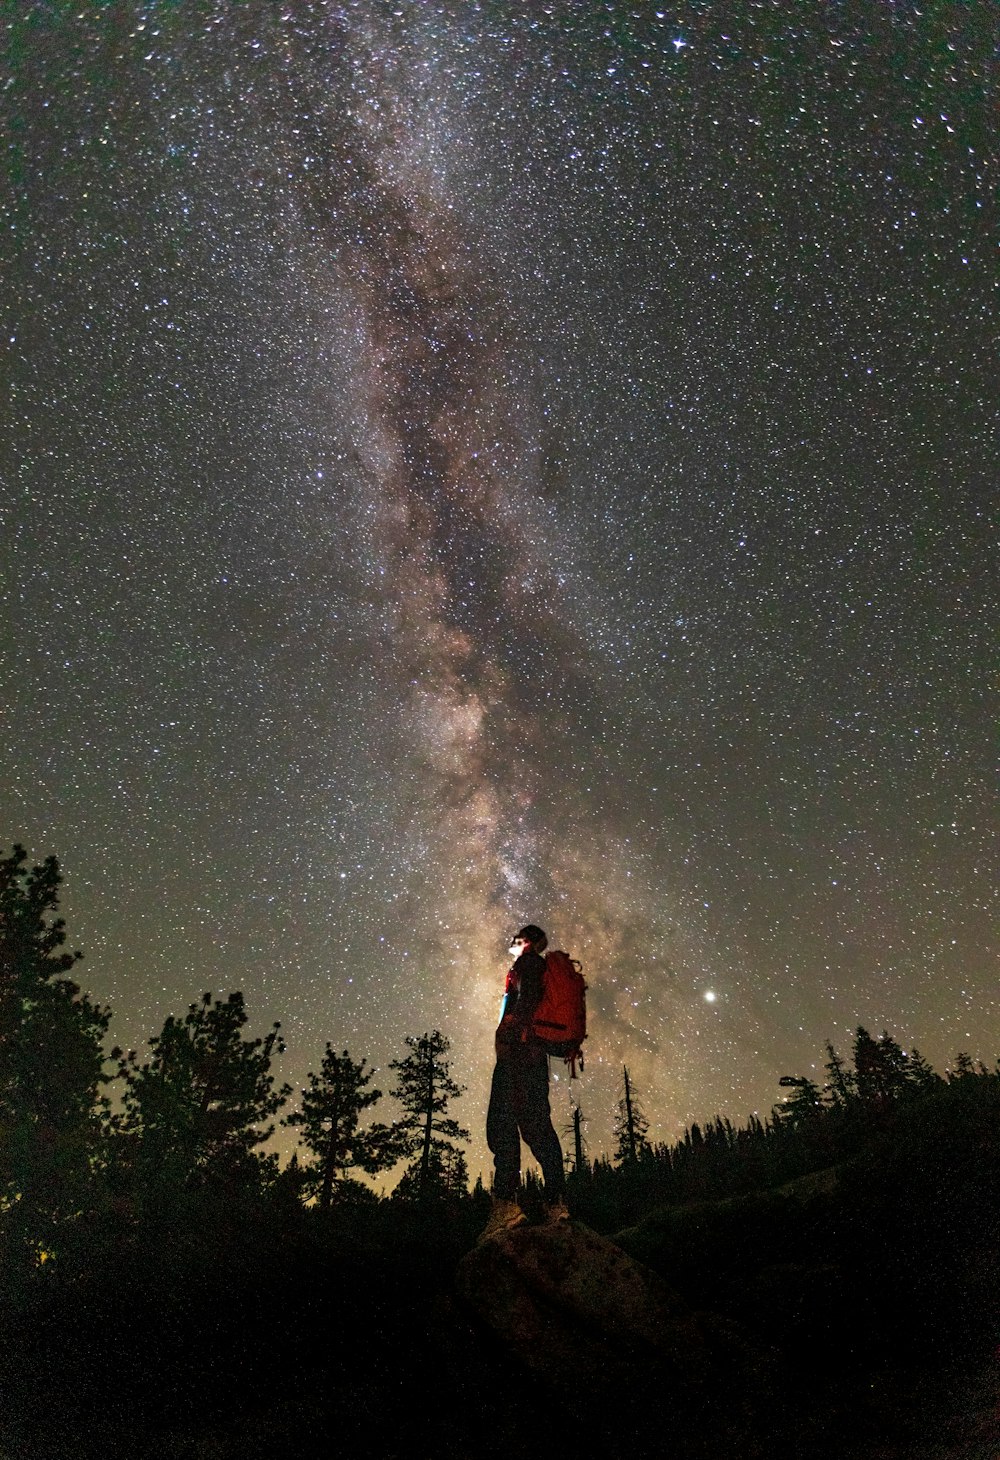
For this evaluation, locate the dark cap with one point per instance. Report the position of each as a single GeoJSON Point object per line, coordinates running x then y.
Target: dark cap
{"type": "Point", "coordinates": [532, 934]}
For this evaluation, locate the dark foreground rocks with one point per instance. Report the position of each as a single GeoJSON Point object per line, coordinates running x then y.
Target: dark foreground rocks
{"type": "Point", "coordinates": [609, 1337]}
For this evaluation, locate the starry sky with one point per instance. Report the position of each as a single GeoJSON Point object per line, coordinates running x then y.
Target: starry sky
{"type": "Point", "coordinates": [472, 463]}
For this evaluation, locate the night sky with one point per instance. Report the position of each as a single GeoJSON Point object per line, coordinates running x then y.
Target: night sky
{"type": "Point", "coordinates": [467, 464]}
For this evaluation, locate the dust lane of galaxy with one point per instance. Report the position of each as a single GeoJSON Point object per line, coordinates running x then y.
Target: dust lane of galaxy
{"type": "Point", "coordinates": [474, 465]}
{"type": "Point", "coordinates": [482, 659]}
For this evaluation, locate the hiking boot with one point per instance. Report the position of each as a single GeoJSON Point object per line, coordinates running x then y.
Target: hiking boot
{"type": "Point", "coordinates": [555, 1211]}
{"type": "Point", "coordinates": [504, 1217]}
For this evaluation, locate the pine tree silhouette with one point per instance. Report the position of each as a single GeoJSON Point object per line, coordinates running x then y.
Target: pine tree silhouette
{"type": "Point", "coordinates": [425, 1088]}
{"type": "Point", "coordinates": [332, 1104]}
{"type": "Point", "coordinates": [199, 1108]}
{"type": "Point", "coordinates": [51, 1064]}
{"type": "Point", "coordinates": [631, 1126]}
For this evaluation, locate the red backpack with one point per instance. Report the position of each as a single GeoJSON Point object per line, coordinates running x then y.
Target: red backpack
{"type": "Point", "coordinates": [560, 1021]}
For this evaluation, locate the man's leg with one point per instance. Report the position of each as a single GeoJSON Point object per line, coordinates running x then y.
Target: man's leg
{"type": "Point", "coordinates": [535, 1119]}
{"type": "Point", "coordinates": [501, 1132]}
{"type": "Point", "coordinates": [505, 1143]}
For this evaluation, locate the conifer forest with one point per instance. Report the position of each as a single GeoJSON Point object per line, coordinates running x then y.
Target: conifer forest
{"type": "Point", "coordinates": [174, 1288]}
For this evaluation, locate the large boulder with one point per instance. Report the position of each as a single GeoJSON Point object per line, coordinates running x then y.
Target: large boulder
{"type": "Point", "coordinates": [594, 1324]}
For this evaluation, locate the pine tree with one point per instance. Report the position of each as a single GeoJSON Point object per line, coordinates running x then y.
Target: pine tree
{"type": "Point", "coordinates": [631, 1127]}
{"type": "Point", "coordinates": [446, 1179]}
{"type": "Point", "coordinates": [963, 1067]}
{"type": "Point", "coordinates": [197, 1111]}
{"type": "Point", "coordinates": [575, 1129]}
{"type": "Point", "coordinates": [895, 1061]}
{"type": "Point", "coordinates": [841, 1086]}
{"type": "Point", "coordinates": [881, 1069]}
{"type": "Point", "coordinates": [51, 1060]}
{"type": "Point", "coordinates": [802, 1107]}
{"type": "Point", "coordinates": [921, 1074]}
{"type": "Point", "coordinates": [332, 1104]}
{"type": "Point", "coordinates": [425, 1088]}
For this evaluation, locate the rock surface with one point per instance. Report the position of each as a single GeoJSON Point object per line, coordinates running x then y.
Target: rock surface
{"type": "Point", "coordinates": [593, 1323]}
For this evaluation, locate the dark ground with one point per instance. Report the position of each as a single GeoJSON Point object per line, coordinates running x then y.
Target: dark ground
{"type": "Point", "coordinates": [863, 1304]}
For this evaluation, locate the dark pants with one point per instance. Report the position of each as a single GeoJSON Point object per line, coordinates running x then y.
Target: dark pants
{"type": "Point", "coordinates": [519, 1110]}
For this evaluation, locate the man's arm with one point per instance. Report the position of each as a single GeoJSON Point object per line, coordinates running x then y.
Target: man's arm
{"type": "Point", "coordinates": [530, 971]}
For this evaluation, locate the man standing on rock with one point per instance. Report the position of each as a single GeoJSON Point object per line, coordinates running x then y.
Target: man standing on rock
{"type": "Point", "coordinates": [519, 1097]}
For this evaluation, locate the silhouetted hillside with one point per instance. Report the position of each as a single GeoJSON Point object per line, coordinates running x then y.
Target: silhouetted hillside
{"type": "Point", "coordinates": [864, 1298]}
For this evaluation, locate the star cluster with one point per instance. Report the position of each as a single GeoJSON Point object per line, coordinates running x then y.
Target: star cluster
{"type": "Point", "coordinates": [471, 463]}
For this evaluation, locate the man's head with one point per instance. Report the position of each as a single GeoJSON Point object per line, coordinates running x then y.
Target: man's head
{"type": "Point", "coordinates": [529, 937]}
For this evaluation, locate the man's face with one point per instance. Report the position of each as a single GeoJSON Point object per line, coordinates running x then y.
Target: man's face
{"type": "Point", "coordinates": [518, 946]}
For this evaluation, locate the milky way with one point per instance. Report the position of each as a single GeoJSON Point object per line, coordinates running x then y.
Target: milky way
{"type": "Point", "coordinates": [475, 464]}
